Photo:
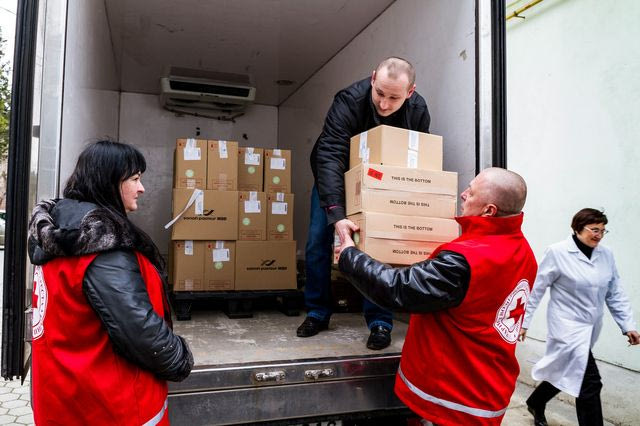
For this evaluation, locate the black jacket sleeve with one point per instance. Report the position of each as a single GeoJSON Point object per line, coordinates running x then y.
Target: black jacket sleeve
{"type": "Point", "coordinates": [427, 286]}
{"type": "Point", "coordinates": [332, 158]}
{"type": "Point", "coordinates": [423, 120]}
{"type": "Point", "coordinates": [115, 289]}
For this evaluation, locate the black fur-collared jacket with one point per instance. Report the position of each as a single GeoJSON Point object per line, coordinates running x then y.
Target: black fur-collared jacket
{"type": "Point", "coordinates": [113, 283]}
{"type": "Point", "coordinates": [351, 113]}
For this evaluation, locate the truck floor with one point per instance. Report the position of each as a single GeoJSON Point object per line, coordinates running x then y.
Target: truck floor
{"type": "Point", "coordinates": [270, 336]}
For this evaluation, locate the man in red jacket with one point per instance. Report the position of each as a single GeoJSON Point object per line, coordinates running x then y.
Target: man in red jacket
{"type": "Point", "coordinates": [467, 302]}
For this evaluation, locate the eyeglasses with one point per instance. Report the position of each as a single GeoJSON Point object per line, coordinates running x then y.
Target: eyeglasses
{"type": "Point", "coordinates": [598, 231]}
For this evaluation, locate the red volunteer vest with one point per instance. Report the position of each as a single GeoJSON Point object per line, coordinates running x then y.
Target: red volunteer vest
{"type": "Point", "coordinates": [77, 377]}
{"type": "Point", "coordinates": [458, 366]}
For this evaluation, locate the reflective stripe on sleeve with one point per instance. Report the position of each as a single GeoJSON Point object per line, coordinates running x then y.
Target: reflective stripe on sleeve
{"type": "Point", "coordinates": [158, 417]}
{"type": "Point", "coordinates": [478, 412]}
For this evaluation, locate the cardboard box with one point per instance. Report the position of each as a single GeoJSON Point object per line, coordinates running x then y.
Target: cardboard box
{"type": "Point", "coordinates": [252, 219]}
{"type": "Point", "coordinates": [277, 171]}
{"type": "Point", "coordinates": [190, 166]}
{"type": "Point", "coordinates": [385, 189]}
{"type": "Point", "coordinates": [222, 165]}
{"type": "Point", "coordinates": [395, 252]}
{"type": "Point", "coordinates": [215, 219]}
{"type": "Point", "coordinates": [379, 176]}
{"type": "Point", "coordinates": [396, 147]}
{"type": "Point", "coordinates": [407, 228]}
{"type": "Point", "coordinates": [219, 265]}
{"type": "Point", "coordinates": [400, 202]}
{"type": "Point", "coordinates": [265, 265]}
{"type": "Point", "coordinates": [280, 217]}
{"type": "Point", "coordinates": [188, 265]}
{"type": "Point", "coordinates": [250, 169]}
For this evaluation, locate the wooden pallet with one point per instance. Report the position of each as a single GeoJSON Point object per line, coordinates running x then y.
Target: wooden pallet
{"type": "Point", "coordinates": [237, 304]}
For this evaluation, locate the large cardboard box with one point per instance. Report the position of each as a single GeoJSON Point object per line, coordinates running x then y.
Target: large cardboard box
{"type": "Point", "coordinates": [265, 265]}
{"type": "Point", "coordinates": [214, 216]}
{"type": "Point", "coordinates": [188, 265]}
{"type": "Point", "coordinates": [386, 189]}
{"type": "Point", "coordinates": [222, 165]}
{"type": "Point", "coordinates": [395, 252]}
{"type": "Point", "coordinates": [219, 265]}
{"type": "Point", "coordinates": [379, 176]}
{"type": "Point", "coordinates": [396, 147]}
{"type": "Point", "coordinates": [252, 220]}
{"type": "Point", "coordinates": [400, 202]}
{"type": "Point", "coordinates": [408, 228]}
{"type": "Point", "coordinates": [190, 166]}
{"type": "Point", "coordinates": [250, 169]}
{"type": "Point", "coordinates": [280, 217]}
{"type": "Point", "coordinates": [277, 171]}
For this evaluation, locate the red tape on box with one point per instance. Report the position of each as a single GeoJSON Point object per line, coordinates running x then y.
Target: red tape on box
{"type": "Point", "coordinates": [374, 173]}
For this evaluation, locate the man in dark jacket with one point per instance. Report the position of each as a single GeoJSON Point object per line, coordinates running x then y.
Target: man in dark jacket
{"type": "Point", "coordinates": [458, 363]}
{"type": "Point", "coordinates": [388, 97]}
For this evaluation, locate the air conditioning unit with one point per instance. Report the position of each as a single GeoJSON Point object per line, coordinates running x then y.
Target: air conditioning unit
{"type": "Point", "coordinates": [188, 89]}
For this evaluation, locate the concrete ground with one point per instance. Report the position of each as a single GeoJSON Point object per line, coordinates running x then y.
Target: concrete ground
{"type": "Point", "coordinates": [621, 403]}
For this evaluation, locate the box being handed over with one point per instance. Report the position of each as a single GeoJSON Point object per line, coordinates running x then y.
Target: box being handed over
{"type": "Point", "coordinates": [396, 147]}
{"type": "Point", "coordinates": [398, 190]}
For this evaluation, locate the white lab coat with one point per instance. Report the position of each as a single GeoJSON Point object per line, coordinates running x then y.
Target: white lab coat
{"type": "Point", "coordinates": [579, 287]}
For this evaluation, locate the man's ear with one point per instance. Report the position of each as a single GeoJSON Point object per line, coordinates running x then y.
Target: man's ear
{"type": "Point", "coordinates": [373, 77]}
{"type": "Point", "coordinates": [490, 210]}
{"type": "Point", "coordinates": [410, 92]}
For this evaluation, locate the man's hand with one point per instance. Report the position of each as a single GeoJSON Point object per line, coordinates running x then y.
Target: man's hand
{"type": "Point", "coordinates": [523, 334]}
{"type": "Point", "coordinates": [344, 229]}
{"type": "Point", "coordinates": [634, 337]}
{"type": "Point", "coordinates": [348, 242]}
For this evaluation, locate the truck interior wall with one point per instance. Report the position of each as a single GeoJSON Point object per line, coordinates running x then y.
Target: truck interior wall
{"type": "Point", "coordinates": [574, 96]}
{"type": "Point", "coordinates": [439, 39]}
{"type": "Point", "coordinates": [154, 130]}
{"type": "Point", "coordinates": [91, 82]}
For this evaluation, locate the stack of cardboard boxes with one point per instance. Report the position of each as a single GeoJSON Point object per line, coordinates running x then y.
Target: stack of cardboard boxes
{"type": "Point", "coordinates": [398, 194]}
{"type": "Point", "coordinates": [230, 231]}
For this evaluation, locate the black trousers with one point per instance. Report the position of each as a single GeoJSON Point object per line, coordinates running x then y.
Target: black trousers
{"type": "Point", "coordinates": [588, 405]}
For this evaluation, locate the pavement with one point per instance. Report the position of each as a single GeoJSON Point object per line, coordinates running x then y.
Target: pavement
{"type": "Point", "coordinates": [619, 395]}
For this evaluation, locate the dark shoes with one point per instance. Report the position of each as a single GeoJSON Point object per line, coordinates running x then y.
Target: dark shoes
{"type": "Point", "coordinates": [311, 326]}
{"type": "Point", "coordinates": [379, 338]}
{"type": "Point", "coordinates": [538, 416]}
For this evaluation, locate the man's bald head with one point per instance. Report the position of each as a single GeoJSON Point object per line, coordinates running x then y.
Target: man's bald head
{"type": "Point", "coordinates": [506, 189]}
{"type": "Point", "coordinates": [494, 192]}
{"type": "Point", "coordinates": [395, 67]}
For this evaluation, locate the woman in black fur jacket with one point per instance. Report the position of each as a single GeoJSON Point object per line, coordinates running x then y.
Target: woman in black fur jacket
{"type": "Point", "coordinates": [103, 346]}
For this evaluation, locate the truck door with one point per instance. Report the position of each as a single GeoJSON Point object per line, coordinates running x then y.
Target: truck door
{"type": "Point", "coordinates": [36, 107]}
{"type": "Point", "coordinates": [34, 154]}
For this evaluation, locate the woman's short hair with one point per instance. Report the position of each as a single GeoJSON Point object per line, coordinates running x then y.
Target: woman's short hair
{"type": "Point", "coordinates": [586, 216]}
{"type": "Point", "coordinates": [99, 172]}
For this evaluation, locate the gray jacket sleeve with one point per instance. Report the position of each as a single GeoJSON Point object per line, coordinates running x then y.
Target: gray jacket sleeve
{"type": "Point", "coordinates": [427, 286]}
{"type": "Point", "coordinates": [115, 289]}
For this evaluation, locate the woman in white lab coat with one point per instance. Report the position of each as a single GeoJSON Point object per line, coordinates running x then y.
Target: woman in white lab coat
{"type": "Point", "coordinates": [582, 277]}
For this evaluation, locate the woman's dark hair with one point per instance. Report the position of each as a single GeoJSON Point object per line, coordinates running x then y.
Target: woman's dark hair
{"type": "Point", "coordinates": [100, 170]}
{"type": "Point", "coordinates": [586, 216]}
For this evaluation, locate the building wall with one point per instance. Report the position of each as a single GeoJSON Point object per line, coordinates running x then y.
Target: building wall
{"type": "Point", "coordinates": [439, 39]}
{"type": "Point", "coordinates": [573, 102]}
